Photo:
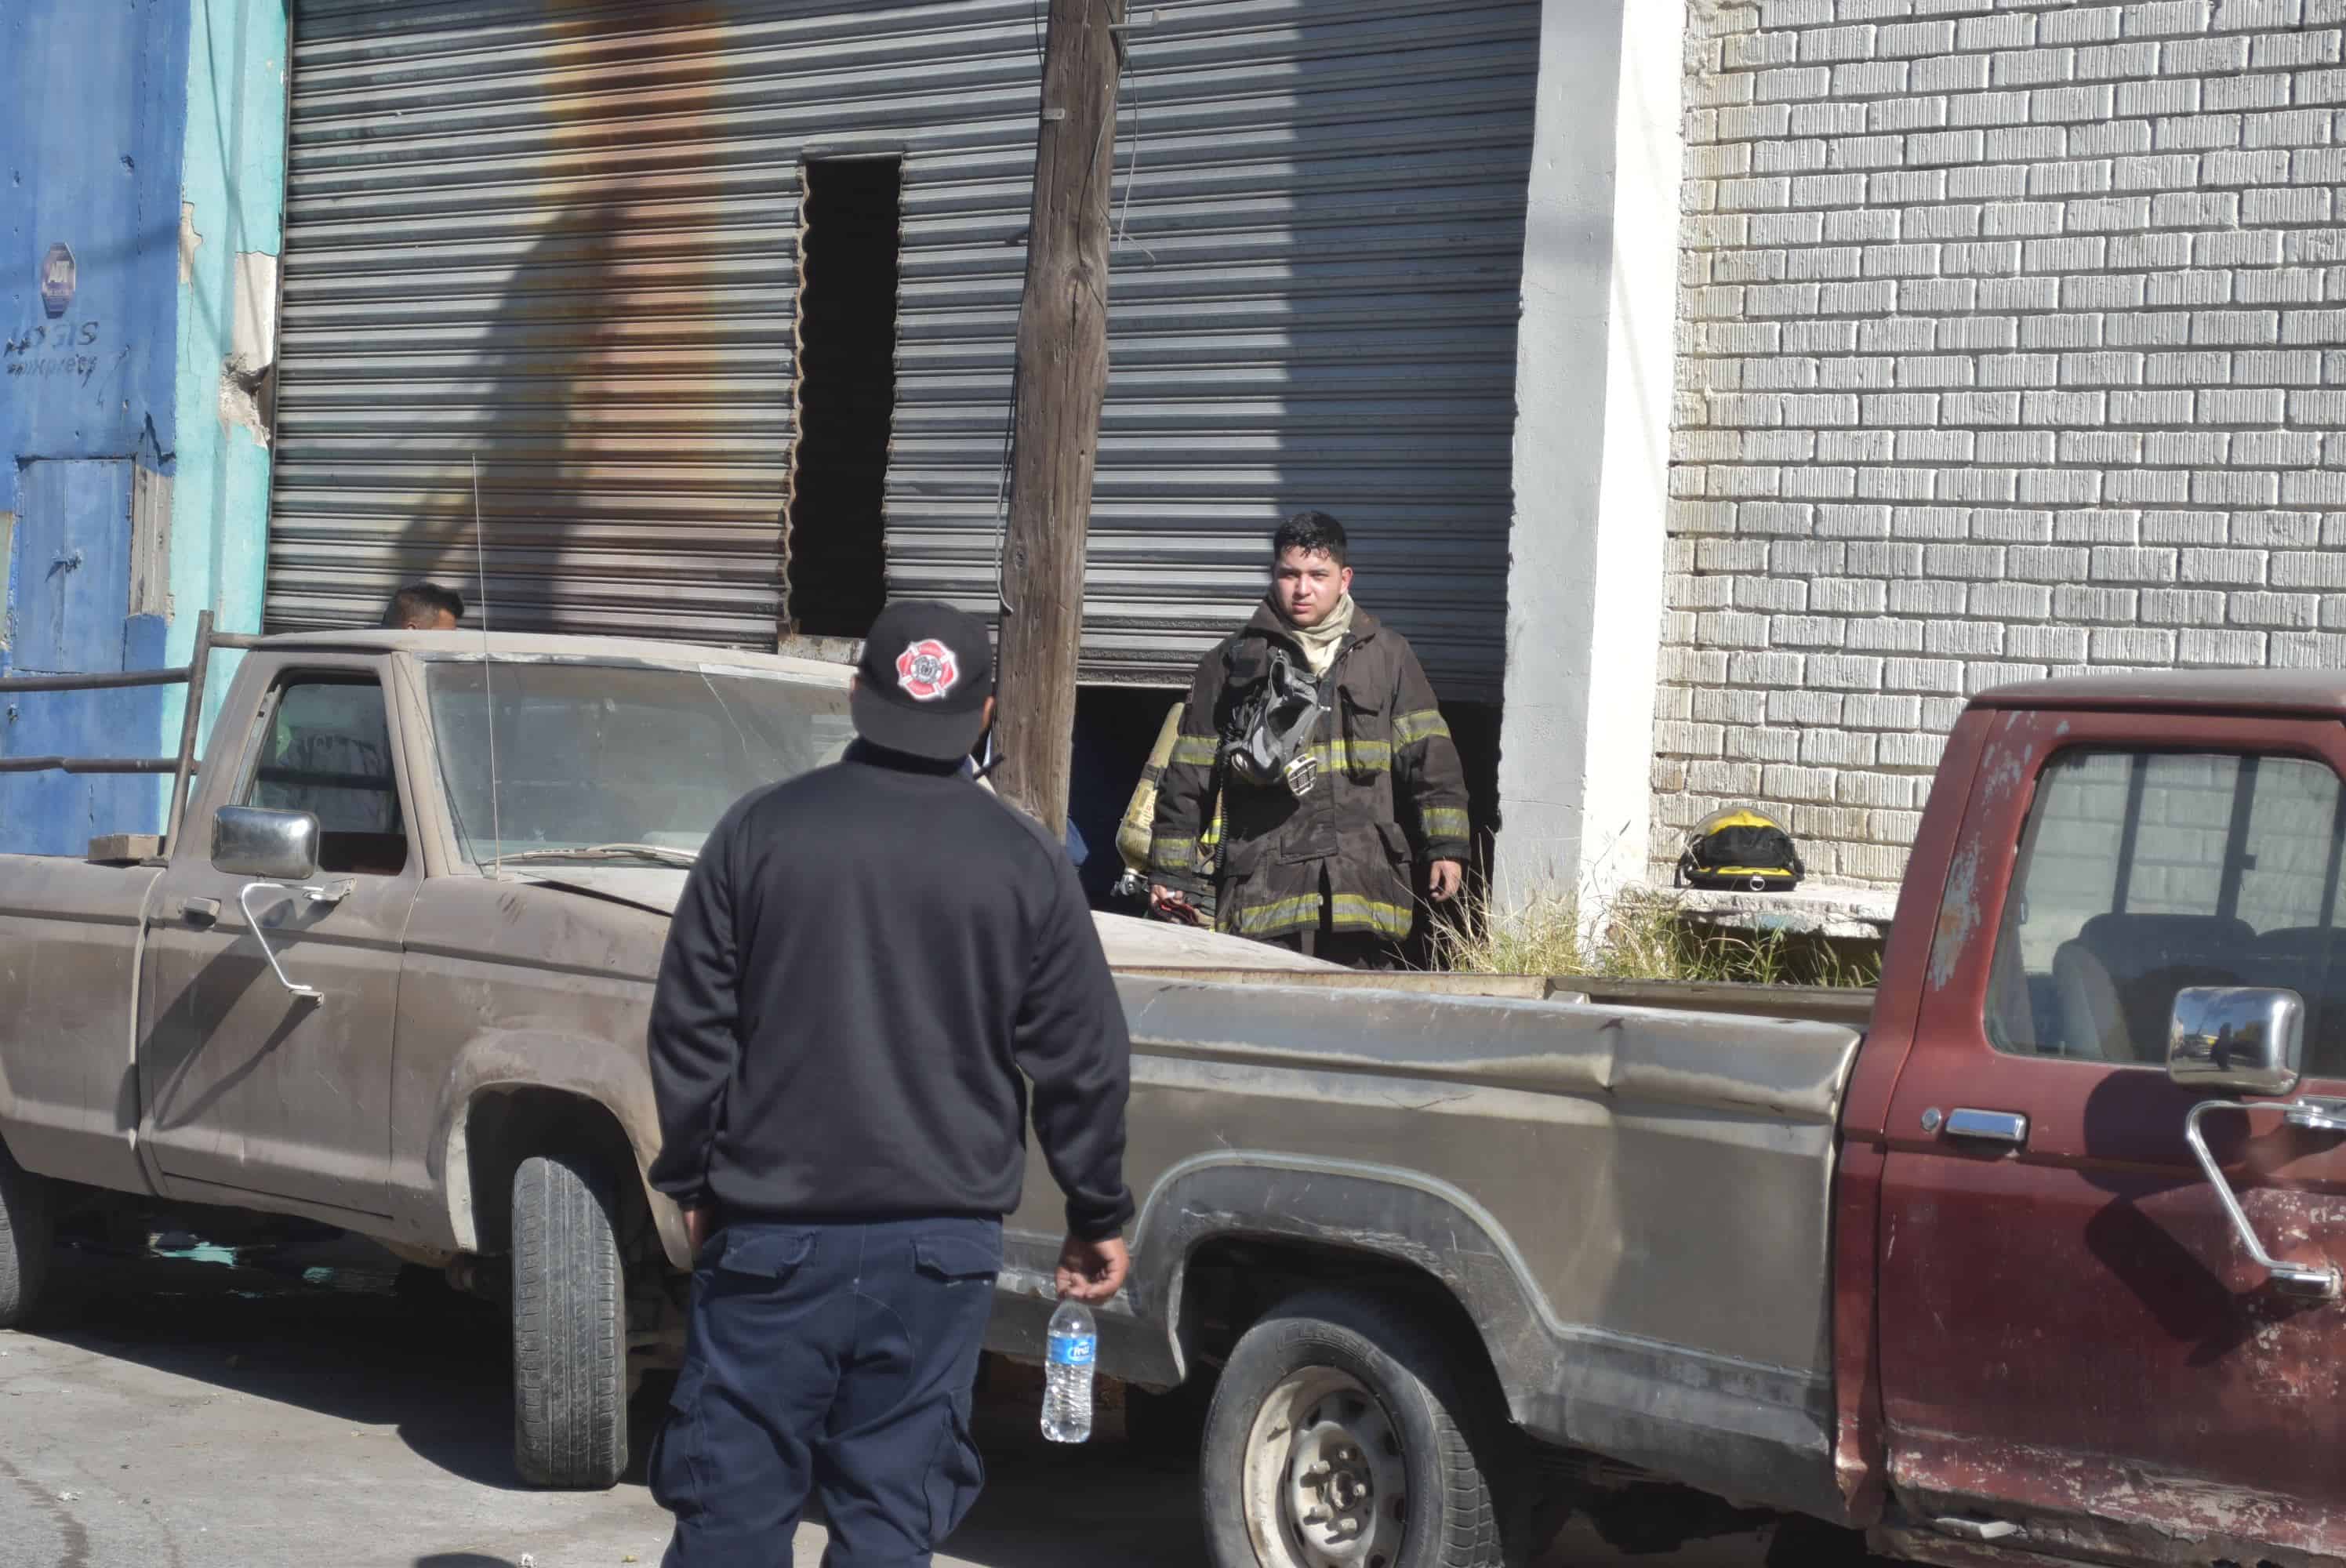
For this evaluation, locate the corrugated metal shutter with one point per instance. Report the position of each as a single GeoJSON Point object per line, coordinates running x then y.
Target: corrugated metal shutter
{"type": "Point", "coordinates": [1315, 306]}
{"type": "Point", "coordinates": [545, 236]}
{"type": "Point", "coordinates": [574, 251]}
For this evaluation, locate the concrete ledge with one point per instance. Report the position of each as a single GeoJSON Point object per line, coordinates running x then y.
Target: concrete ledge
{"type": "Point", "coordinates": [1817, 909]}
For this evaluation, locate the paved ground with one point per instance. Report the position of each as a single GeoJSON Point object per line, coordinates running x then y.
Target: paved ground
{"type": "Point", "coordinates": [192, 1414]}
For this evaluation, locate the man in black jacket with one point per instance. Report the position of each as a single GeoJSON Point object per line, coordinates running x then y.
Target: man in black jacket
{"type": "Point", "coordinates": [869, 965]}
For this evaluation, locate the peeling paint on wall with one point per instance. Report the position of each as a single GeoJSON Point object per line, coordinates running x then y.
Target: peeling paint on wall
{"type": "Point", "coordinates": [7, 568]}
{"type": "Point", "coordinates": [252, 334]}
{"type": "Point", "coordinates": [188, 241]}
{"type": "Point", "coordinates": [249, 373]}
{"type": "Point", "coordinates": [239, 401]}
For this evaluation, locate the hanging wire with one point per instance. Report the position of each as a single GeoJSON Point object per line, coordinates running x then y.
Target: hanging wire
{"type": "Point", "coordinates": [1001, 486]}
{"type": "Point", "coordinates": [1132, 171]}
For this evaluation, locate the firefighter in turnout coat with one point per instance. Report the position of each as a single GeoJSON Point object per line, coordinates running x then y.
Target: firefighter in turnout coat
{"type": "Point", "coordinates": [1312, 773]}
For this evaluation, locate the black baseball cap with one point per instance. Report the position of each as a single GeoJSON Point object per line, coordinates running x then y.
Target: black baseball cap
{"type": "Point", "coordinates": [921, 683]}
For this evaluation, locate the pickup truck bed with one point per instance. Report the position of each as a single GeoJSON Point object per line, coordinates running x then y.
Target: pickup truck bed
{"type": "Point", "coordinates": [1630, 1205]}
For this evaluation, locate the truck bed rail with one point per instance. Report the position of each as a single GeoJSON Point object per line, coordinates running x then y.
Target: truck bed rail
{"type": "Point", "coordinates": [181, 767]}
{"type": "Point", "coordinates": [1849, 1006]}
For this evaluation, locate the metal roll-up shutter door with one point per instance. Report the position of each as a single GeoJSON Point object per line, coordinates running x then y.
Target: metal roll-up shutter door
{"type": "Point", "coordinates": [569, 244]}
{"type": "Point", "coordinates": [1314, 304]}
{"type": "Point", "coordinates": [535, 236]}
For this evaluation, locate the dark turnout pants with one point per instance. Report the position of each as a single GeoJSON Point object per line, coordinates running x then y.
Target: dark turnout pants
{"type": "Point", "coordinates": [835, 1359]}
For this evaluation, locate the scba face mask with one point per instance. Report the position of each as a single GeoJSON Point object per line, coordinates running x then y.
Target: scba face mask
{"type": "Point", "coordinates": [1272, 738]}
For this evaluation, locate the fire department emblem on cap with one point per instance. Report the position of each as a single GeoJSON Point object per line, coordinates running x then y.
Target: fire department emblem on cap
{"type": "Point", "coordinates": [927, 670]}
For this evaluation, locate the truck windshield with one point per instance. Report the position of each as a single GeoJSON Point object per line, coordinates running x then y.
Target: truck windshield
{"type": "Point", "coordinates": [595, 758]}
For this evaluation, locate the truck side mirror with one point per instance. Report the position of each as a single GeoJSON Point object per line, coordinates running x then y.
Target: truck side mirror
{"type": "Point", "coordinates": [2245, 1039]}
{"type": "Point", "coordinates": [273, 846]}
{"type": "Point", "coordinates": [2249, 1040]}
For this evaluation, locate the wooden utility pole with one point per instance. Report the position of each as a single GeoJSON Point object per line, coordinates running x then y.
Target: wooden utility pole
{"type": "Point", "coordinates": [1062, 380]}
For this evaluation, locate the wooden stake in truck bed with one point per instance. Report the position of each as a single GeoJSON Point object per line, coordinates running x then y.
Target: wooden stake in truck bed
{"type": "Point", "coordinates": [2044, 1268]}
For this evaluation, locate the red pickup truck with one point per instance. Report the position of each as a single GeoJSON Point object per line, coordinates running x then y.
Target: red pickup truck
{"type": "Point", "coordinates": [2092, 1193]}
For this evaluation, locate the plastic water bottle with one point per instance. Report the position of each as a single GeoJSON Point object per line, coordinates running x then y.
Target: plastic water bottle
{"type": "Point", "coordinates": [1068, 1374]}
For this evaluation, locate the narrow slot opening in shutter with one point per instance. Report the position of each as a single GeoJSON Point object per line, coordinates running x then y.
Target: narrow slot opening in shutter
{"type": "Point", "coordinates": [850, 243]}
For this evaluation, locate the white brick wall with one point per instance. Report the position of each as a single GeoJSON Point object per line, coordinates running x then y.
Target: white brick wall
{"type": "Point", "coordinates": [2012, 342]}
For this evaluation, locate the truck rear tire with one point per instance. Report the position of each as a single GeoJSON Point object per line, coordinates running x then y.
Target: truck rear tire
{"type": "Point", "coordinates": [1339, 1435]}
{"type": "Point", "coordinates": [25, 1240]}
{"type": "Point", "coordinates": [569, 1327]}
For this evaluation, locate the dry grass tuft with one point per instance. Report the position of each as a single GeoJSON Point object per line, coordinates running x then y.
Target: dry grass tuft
{"type": "Point", "coordinates": [1638, 935]}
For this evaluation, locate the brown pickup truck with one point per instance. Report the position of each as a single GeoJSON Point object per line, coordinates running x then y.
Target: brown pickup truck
{"type": "Point", "coordinates": [2040, 1268]}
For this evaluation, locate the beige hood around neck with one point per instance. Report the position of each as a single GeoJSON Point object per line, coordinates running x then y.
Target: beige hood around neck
{"type": "Point", "coordinates": [1319, 643]}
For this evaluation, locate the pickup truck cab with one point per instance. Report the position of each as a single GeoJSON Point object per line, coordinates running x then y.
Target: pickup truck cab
{"type": "Point", "coordinates": [2091, 1204]}
{"type": "Point", "coordinates": [2041, 1267]}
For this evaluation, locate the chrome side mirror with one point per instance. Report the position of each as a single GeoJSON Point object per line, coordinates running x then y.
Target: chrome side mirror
{"type": "Point", "coordinates": [2244, 1039]}
{"type": "Point", "coordinates": [273, 846]}
{"type": "Point", "coordinates": [2249, 1040]}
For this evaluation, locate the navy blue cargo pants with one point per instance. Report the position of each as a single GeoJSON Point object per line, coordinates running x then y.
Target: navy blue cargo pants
{"type": "Point", "coordinates": [836, 1359]}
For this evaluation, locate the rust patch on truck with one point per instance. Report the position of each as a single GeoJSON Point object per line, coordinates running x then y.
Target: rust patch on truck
{"type": "Point", "coordinates": [1959, 917]}
{"type": "Point", "coordinates": [2006, 767]}
{"type": "Point", "coordinates": [2071, 1505]}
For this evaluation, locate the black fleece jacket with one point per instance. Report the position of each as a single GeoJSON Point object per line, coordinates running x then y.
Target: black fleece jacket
{"type": "Point", "coordinates": [869, 965]}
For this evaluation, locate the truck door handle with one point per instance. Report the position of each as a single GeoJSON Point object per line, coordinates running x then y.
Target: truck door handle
{"type": "Point", "coordinates": [199, 911]}
{"type": "Point", "coordinates": [1992, 1127]}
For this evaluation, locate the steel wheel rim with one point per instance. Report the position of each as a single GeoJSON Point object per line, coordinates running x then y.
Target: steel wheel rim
{"type": "Point", "coordinates": [1323, 1481]}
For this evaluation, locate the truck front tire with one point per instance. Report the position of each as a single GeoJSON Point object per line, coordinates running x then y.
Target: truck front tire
{"type": "Point", "coordinates": [1339, 1435]}
{"type": "Point", "coordinates": [569, 1327]}
{"type": "Point", "coordinates": [25, 1240]}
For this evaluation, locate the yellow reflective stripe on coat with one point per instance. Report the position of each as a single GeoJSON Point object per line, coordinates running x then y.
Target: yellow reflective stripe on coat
{"type": "Point", "coordinates": [1351, 912]}
{"type": "Point", "coordinates": [1443, 822]}
{"type": "Point", "coordinates": [1347, 912]}
{"type": "Point", "coordinates": [1197, 749]}
{"type": "Point", "coordinates": [1353, 756]}
{"type": "Point", "coordinates": [1173, 854]}
{"type": "Point", "coordinates": [1426, 723]}
{"type": "Point", "coordinates": [1262, 919]}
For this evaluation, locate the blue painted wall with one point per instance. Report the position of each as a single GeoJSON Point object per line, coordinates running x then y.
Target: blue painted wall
{"type": "Point", "coordinates": [93, 110]}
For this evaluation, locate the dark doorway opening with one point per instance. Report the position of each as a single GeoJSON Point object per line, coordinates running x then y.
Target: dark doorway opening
{"type": "Point", "coordinates": [1114, 728]}
{"type": "Point", "coordinates": [849, 249]}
